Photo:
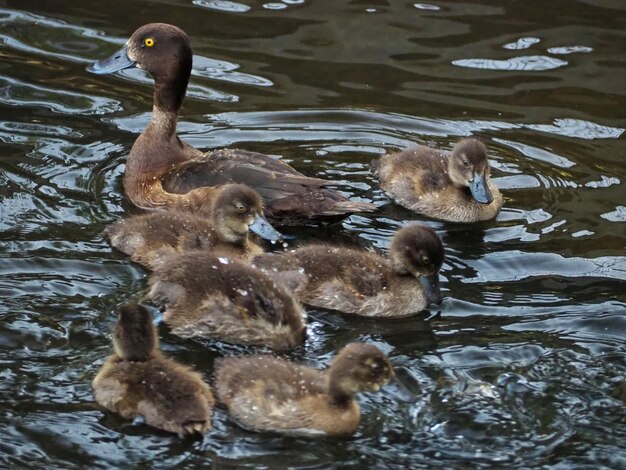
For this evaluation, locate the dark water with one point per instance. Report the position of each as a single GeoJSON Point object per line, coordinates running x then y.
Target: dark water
{"type": "Point", "coordinates": [524, 363]}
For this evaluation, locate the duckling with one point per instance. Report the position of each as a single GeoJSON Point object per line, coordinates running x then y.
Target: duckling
{"type": "Point", "coordinates": [362, 282]}
{"type": "Point", "coordinates": [138, 381]}
{"type": "Point", "coordinates": [266, 393]}
{"type": "Point", "coordinates": [232, 211]}
{"type": "Point", "coordinates": [162, 170]}
{"type": "Point", "coordinates": [212, 296]}
{"type": "Point", "coordinates": [454, 187]}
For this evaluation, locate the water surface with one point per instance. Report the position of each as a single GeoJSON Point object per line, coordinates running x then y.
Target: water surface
{"type": "Point", "coordinates": [522, 365]}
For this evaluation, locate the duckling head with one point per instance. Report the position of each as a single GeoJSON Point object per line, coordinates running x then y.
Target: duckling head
{"type": "Point", "coordinates": [417, 250]}
{"type": "Point", "coordinates": [239, 209]}
{"type": "Point", "coordinates": [161, 49]}
{"type": "Point", "coordinates": [358, 367]}
{"type": "Point", "coordinates": [134, 337]}
{"type": "Point", "coordinates": [469, 167]}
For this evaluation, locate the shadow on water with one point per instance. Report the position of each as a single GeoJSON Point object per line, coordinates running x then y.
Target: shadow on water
{"type": "Point", "coordinates": [522, 364]}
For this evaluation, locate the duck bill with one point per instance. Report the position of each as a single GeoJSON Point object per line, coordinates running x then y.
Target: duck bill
{"type": "Point", "coordinates": [480, 190]}
{"type": "Point", "coordinates": [430, 284]}
{"type": "Point", "coordinates": [264, 229]}
{"type": "Point", "coordinates": [118, 61]}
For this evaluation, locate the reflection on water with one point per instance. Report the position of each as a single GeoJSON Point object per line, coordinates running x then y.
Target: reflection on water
{"type": "Point", "coordinates": [524, 362]}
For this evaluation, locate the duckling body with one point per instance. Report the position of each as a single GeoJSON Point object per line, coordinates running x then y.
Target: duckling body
{"type": "Point", "coordinates": [265, 393]}
{"type": "Point", "coordinates": [162, 170]}
{"type": "Point", "coordinates": [363, 282]}
{"type": "Point", "coordinates": [221, 223]}
{"type": "Point", "coordinates": [138, 381]}
{"type": "Point", "coordinates": [454, 186]}
{"type": "Point", "coordinates": [211, 296]}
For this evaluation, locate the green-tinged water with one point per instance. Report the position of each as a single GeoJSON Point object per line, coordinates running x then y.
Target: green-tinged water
{"type": "Point", "coordinates": [522, 365]}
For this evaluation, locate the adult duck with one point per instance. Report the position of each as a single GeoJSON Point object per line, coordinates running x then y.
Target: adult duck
{"type": "Point", "coordinates": [161, 170]}
{"type": "Point", "coordinates": [455, 186]}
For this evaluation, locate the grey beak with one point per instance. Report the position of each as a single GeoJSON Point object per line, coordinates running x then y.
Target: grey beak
{"type": "Point", "coordinates": [264, 229]}
{"type": "Point", "coordinates": [118, 61]}
{"type": "Point", "coordinates": [430, 284]}
{"type": "Point", "coordinates": [479, 189]}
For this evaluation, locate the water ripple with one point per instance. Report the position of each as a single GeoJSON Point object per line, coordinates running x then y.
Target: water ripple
{"type": "Point", "coordinates": [14, 92]}
{"type": "Point", "coordinates": [534, 63]}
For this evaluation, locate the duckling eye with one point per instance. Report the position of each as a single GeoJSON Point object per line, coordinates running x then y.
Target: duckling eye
{"type": "Point", "coordinates": [149, 42]}
{"type": "Point", "coordinates": [240, 207]}
{"type": "Point", "coordinates": [425, 259]}
{"type": "Point", "coordinates": [466, 163]}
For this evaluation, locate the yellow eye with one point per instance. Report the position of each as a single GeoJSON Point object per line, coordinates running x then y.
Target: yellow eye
{"type": "Point", "coordinates": [149, 42]}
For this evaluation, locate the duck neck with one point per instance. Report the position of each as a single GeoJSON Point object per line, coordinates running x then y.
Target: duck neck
{"type": "Point", "coordinates": [168, 98]}
{"type": "Point", "coordinates": [339, 396]}
{"type": "Point", "coordinates": [158, 148]}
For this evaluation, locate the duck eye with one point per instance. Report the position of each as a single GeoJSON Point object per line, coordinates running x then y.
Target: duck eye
{"type": "Point", "coordinates": [466, 163]}
{"type": "Point", "coordinates": [149, 42]}
{"type": "Point", "coordinates": [240, 207]}
{"type": "Point", "coordinates": [425, 259]}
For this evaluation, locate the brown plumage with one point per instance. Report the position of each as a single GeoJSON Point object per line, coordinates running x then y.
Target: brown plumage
{"type": "Point", "coordinates": [162, 170]}
{"type": "Point", "coordinates": [448, 186]}
{"type": "Point", "coordinates": [220, 222]}
{"type": "Point", "coordinates": [265, 393]}
{"type": "Point", "coordinates": [138, 381]}
{"type": "Point", "coordinates": [211, 296]}
{"type": "Point", "coordinates": [363, 282]}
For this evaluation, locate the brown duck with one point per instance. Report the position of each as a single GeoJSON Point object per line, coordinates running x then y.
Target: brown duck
{"type": "Point", "coordinates": [137, 381]}
{"type": "Point", "coordinates": [212, 296]}
{"type": "Point", "coordinates": [266, 393]}
{"type": "Point", "coordinates": [363, 282]}
{"type": "Point", "coordinates": [455, 186]}
{"type": "Point", "coordinates": [162, 170]}
{"type": "Point", "coordinates": [220, 221]}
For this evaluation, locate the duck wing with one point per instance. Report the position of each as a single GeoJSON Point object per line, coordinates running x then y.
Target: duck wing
{"type": "Point", "coordinates": [288, 194]}
{"type": "Point", "coordinates": [272, 178]}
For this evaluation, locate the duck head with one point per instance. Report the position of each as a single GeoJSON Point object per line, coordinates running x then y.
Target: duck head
{"type": "Point", "coordinates": [358, 367]}
{"type": "Point", "coordinates": [239, 209]}
{"type": "Point", "coordinates": [418, 251]}
{"type": "Point", "coordinates": [134, 337]}
{"type": "Point", "coordinates": [469, 167]}
{"type": "Point", "coordinates": [165, 52]}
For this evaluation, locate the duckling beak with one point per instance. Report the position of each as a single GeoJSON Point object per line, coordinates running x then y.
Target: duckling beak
{"type": "Point", "coordinates": [116, 62]}
{"type": "Point", "coordinates": [480, 190]}
{"type": "Point", "coordinates": [430, 284]}
{"type": "Point", "coordinates": [264, 229]}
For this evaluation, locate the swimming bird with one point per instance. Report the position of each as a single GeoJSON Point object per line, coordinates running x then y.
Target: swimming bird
{"type": "Point", "coordinates": [162, 170]}
{"type": "Point", "coordinates": [455, 186]}
{"type": "Point", "coordinates": [362, 282]}
{"type": "Point", "coordinates": [266, 393]}
{"type": "Point", "coordinates": [220, 222]}
{"type": "Point", "coordinates": [138, 381]}
{"type": "Point", "coordinates": [213, 296]}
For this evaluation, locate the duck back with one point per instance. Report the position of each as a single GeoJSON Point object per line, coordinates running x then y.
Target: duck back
{"type": "Point", "coordinates": [208, 295]}
{"type": "Point", "coordinates": [166, 394]}
{"type": "Point", "coordinates": [290, 197]}
{"type": "Point", "coordinates": [264, 393]}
